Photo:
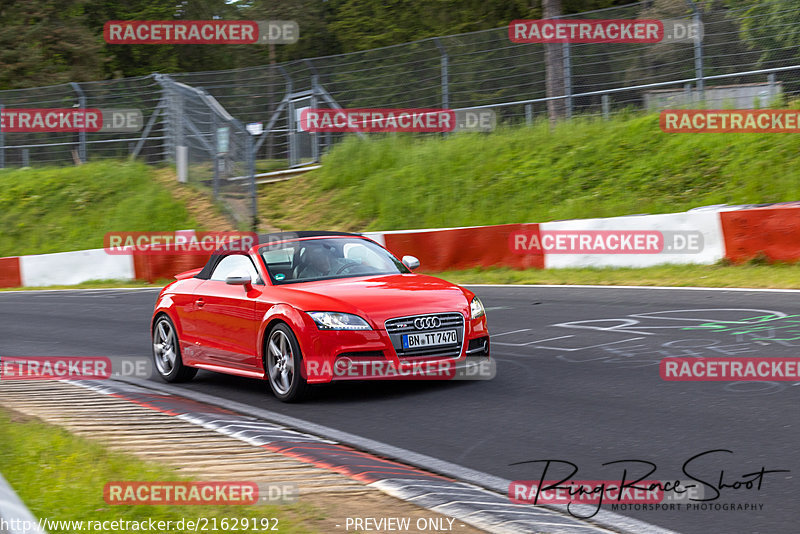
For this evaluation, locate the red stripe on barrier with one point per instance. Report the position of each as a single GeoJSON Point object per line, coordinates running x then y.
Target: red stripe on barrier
{"type": "Point", "coordinates": [10, 273]}
{"type": "Point", "coordinates": [153, 267]}
{"type": "Point", "coordinates": [465, 248]}
{"type": "Point", "coordinates": [773, 232]}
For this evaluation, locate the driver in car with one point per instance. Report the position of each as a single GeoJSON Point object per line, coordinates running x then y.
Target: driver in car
{"type": "Point", "coordinates": [319, 263]}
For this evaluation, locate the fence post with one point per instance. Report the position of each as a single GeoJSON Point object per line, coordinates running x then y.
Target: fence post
{"type": "Point", "coordinates": [606, 106]}
{"type": "Point", "coordinates": [293, 159]}
{"type": "Point", "coordinates": [567, 80]}
{"type": "Point", "coordinates": [314, 103]}
{"type": "Point", "coordinates": [288, 96]}
{"type": "Point", "coordinates": [698, 50]}
{"type": "Point", "coordinates": [82, 133]}
{"type": "Point", "coordinates": [214, 128]}
{"type": "Point", "coordinates": [164, 102]}
{"type": "Point", "coordinates": [773, 89]}
{"type": "Point", "coordinates": [181, 150]}
{"type": "Point", "coordinates": [251, 171]}
{"type": "Point", "coordinates": [2, 144]}
{"type": "Point", "coordinates": [177, 121]}
{"type": "Point", "coordinates": [528, 114]}
{"type": "Point", "coordinates": [445, 73]}
{"type": "Point", "coordinates": [314, 92]}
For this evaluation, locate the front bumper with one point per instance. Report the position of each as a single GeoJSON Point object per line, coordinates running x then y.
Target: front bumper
{"type": "Point", "coordinates": [374, 355]}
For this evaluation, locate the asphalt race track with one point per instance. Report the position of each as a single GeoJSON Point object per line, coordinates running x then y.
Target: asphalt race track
{"type": "Point", "coordinates": [577, 381]}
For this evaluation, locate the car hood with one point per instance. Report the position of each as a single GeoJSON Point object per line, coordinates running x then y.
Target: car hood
{"type": "Point", "coordinates": [376, 298]}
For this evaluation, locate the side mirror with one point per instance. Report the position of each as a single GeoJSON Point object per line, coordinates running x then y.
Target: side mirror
{"type": "Point", "coordinates": [239, 279]}
{"type": "Point", "coordinates": [411, 262]}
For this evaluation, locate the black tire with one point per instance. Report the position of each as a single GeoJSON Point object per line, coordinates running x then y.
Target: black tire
{"type": "Point", "coordinates": [282, 364]}
{"type": "Point", "coordinates": [167, 352]}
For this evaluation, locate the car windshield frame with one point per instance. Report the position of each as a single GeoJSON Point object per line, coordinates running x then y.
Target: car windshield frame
{"type": "Point", "coordinates": [304, 253]}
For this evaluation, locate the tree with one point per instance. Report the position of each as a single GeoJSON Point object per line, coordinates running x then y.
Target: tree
{"type": "Point", "coordinates": [140, 60]}
{"type": "Point", "coordinates": [772, 29]}
{"type": "Point", "coordinates": [47, 43]}
{"type": "Point", "coordinates": [364, 24]}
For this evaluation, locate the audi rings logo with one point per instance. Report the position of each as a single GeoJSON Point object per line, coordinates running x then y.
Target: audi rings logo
{"type": "Point", "coordinates": [426, 323]}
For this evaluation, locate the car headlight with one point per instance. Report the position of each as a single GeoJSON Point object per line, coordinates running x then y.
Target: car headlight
{"type": "Point", "coordinates": [339, 321]}
{"type": "Point", "coordinates": [476, 308]}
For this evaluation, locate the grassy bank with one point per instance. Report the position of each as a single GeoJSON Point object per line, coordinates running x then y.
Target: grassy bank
{"type": "Point", "coordinates": [56, 209]}
{"type": "Point", "coordinates": [579, 169]}
{"type": "Point", "coordinates": [584, 168]}
{"type": "Point", "coordinates": [61, 477]}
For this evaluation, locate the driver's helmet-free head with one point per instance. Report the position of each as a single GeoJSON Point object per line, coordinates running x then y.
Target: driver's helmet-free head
{"type": "Point", "coordinates": [317, 258]}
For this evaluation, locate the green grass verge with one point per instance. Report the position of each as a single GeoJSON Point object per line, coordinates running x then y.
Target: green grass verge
{"type": "Point", "coordinates": [774, 276]}
{"type": "Point", "coordinates": [56, 209]}
{"type": "Point", "coordinates": [60, 476]}
{"type": "Point", "coordinates": [579, 169]}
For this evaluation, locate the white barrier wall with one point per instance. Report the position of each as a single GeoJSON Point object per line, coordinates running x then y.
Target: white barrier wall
{"type": "Point", "coordinates": [377, 237]}
{"type": "Point", "coordinates": [705, 222]}
{"type": "Point", "coordinates": [66, 268]}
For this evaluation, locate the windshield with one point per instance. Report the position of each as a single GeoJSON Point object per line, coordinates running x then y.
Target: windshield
{"type": "Point", "coordinates": [322, 259]}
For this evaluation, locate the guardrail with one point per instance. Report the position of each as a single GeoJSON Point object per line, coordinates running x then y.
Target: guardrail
{"type": "Point", "coordinates": [15, 518]}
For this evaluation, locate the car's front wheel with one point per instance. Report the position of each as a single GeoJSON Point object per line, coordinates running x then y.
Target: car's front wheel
{"type": "Point", "coordinates": [283, 365]}
{"type": "Point", "coordinates": [167, 352]}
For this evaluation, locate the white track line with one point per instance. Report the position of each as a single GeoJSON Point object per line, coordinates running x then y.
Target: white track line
{"type": "Point", "coordinates": [17, 291]}
{"type": "Point", "coordinates": [577, 286]}
{"type": "Point", "coordinates": [689, 288]}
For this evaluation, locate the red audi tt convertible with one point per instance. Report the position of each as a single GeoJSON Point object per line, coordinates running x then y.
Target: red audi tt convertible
{"type": "Point", "coordinates": [306, 308]}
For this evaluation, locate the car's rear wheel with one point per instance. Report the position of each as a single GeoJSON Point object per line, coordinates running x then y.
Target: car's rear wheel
{"type": "Point", "coordinates": [167, 352]}
{"type": "Point", "coordinates": [284, 362]}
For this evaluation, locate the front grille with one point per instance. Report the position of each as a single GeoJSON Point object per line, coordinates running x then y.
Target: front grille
{"type": "Point", "coordinates": [404, 325]}
{"type": "Point", "coordinates": [400, 326]}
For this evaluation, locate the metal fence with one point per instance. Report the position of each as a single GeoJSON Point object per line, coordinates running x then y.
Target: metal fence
{"type": "Point", "coordinates": [211, 146]}
{"type": "Point", "coordinates": [748, 57]}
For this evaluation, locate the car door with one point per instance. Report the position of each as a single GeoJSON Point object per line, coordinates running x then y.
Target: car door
{"type": "Point", "coordinates": [225, 316]}
{"type": "Point", "coordinates": [183, 302]}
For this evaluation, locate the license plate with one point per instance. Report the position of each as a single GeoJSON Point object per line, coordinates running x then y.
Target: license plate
{"type": "Point", "coordinates": [429, 339]}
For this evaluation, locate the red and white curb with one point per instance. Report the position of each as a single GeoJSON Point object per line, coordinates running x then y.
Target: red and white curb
{"type": "Point", "coordinates": [469, 496]}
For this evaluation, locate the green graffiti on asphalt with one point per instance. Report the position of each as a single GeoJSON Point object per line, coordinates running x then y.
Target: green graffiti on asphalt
{"type": "Point", "coordinates": [790, 324]}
